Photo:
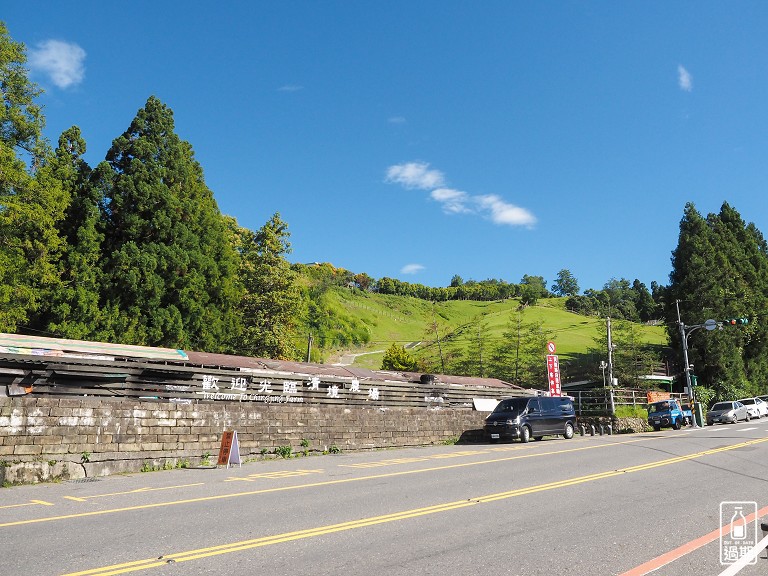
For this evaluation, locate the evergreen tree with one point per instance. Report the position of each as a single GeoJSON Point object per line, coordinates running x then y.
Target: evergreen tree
{"type": "Point", "coordinates": [270, 303]}
{"type": "Point", "coordinates": [720, 270]}
{"type": "Point", "coordinates": [476, 357]}
{"type": "Point", "coordinates": [566, 284]}
{"type": "Point", "coordinates": [21, 119]}
{"type": "Point", "coordinates": [397, 358]}
{"type": "Point", "coordinates": [73, 310]}
{"type": "Point", "coordinates": [31, 200]}
{"type": "Point", "coordinates": [521, 357]}
{"type": "Point", "coordinates": [643, 302]}
{"type": "Point", "coordinates": [169, 264]}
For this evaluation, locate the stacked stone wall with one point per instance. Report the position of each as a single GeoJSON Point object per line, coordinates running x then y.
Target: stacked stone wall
{"type": "Point", "coordinates": [44, 439]}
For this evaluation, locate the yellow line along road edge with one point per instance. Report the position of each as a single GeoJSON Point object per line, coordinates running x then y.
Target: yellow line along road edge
{"type": "Point", "coordinates": [321, 530]}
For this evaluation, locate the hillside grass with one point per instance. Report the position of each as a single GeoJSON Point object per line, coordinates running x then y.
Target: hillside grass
{"type": "Point", "coordinates": [408, 321]}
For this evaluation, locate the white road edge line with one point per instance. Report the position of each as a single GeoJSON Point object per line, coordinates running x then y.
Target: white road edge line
{"type": "Point", "coordinates": [742, 562]}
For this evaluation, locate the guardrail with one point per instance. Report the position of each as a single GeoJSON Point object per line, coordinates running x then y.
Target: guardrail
{"type": "Point", "coordinates": [598, 400]}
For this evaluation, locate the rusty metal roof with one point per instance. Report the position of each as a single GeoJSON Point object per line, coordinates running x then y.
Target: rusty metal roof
{"type": "Point", "coordinates": [313, 369]}
{"type": "Point", "coordinates": [41, 347]}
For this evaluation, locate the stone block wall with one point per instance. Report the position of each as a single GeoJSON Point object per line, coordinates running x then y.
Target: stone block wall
{"type": "Point", "coordinates": [44, 439]}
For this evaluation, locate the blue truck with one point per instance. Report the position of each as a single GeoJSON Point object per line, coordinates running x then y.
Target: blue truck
{"type": "Point", "coordinates": [669, 413]}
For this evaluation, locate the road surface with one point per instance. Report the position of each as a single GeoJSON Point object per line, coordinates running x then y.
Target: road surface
{"type": "Point", "coordinates": [590, 505]}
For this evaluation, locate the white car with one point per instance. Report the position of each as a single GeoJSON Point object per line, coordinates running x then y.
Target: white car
{"type": "Point", "coordinates": [755, 406]}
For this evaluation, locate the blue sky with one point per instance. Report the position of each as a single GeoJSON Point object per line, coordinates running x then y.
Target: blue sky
{"type": "Point", "coordinates": [423, 139]}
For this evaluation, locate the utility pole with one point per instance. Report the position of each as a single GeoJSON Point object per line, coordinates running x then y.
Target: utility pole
{"type": "Point", "coordinates": [309, 347]}
{"type": "Point", "coordinates": [684, 340]}
{"type": "Point", "coordinates": [685, 332]}
{"type": "Point", "coordinates": [439, 345]}
{"type": "Point", "coordinates": [480, 346]}
{"type": "Point", "coordinates": [610, 364]}
{"type": "Point", "coordinates": [517, 350]}
{"type": "Point", "coordinates": [610, 351]}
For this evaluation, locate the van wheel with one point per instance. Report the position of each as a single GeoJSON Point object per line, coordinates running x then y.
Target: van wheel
{"type": "Point", "coordinates": [568, 431]}
{"type": "Point", "coordinates": [525, 434]}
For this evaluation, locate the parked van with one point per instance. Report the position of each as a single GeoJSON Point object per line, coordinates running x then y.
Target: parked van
{"type": "Point", "coordinates": [531, 417]}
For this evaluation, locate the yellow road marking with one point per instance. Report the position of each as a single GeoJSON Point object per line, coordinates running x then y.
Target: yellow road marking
{"type": "Point", "coordinates": [411, 460]}
{"type": "Point", "coordinates": [397, 516]}
{"type": "Point", "coordinates": [311, 485]}
{"type": "Point", "coordinates": [274, 475]}
{"type": "Point", "coordinates": [30, 503]}
{"type": "Point", "coordinates": [136, 491]}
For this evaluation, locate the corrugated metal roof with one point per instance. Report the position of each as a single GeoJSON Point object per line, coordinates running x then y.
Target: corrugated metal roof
{"type": "Point", "coordinates": [312, 369]}
{"type": "Point", "coordinates": [58, 347]}
{"type": "Point", "coordinates": [39, 346]}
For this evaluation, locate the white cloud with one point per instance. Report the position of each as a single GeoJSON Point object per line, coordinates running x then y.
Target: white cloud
{"type": "Point", "coordinates": [411, 269]}
{"type": "Point", "coordinates": [415, 175]}
{"type": "Point", "coordinates": [453, 201]}
{"type": "Point", "coordinates": [63, 62]}
{"type": "Point", "coordinates": [496, 209]}
{"type": "Point", "coordinates": [502, 212]}
{"type": "Point", "coordinates": [684, 79]}
{"type": "Point", "coordinates": [290, 88]}
{"type": "Point", "coordinates": [396, 120]}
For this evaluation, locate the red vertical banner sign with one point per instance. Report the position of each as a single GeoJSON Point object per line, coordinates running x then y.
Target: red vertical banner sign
{"type": "Point", "coordinates": [553, 375]}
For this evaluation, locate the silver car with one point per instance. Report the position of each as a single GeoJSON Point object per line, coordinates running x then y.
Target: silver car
{"type": "Point", "coordinates": [755, 406]}
{"type": "Point", "coordinates": [727, 412]}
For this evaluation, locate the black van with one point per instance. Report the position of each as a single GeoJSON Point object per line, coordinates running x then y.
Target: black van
{"type": "Point", "coordinates": [531, 417]}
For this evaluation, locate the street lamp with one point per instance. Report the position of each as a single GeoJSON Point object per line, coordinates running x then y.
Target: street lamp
{"type": "Point", "coordinates": [685, 333]}
{"type": "Point", "coordinates": [603, 366]}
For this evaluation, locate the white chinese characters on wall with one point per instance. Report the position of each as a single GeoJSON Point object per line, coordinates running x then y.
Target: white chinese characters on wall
{"type": "Point", "coordinates": [247, 389]}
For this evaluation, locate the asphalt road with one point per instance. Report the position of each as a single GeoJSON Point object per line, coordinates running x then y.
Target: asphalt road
{"type": "Point", "coordinates": [591, 505]}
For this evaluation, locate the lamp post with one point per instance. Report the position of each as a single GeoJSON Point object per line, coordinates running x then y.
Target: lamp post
{"type": "Point", "coordinates": [685, 333]}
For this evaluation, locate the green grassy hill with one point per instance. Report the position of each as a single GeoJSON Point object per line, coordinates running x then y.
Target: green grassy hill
{"type": "Point", "coordinates": [410, 322]}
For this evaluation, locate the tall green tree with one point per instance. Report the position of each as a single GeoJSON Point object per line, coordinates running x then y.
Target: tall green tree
{"type": "Point", "coordinates": [31, 200]}
{"type": "Point", "coordinates": [521, 356]}
{"type": "Point", "coordinates": [720, 270]}
{"type": "Point", "coordinates": [565, 284]}
{"type": "Point", "coordinates": [270, 303]}
{"type": "Point", "coordinates": [73, 310]}
{"type": "Point", "coordinates": [476, 356]}
{"type": "Point", "coordinates": [645, 305]}
{"type": "Point", "coordinates": [531, 289]}
{"type": "Point", "coordinates": [618, 300]}
{"type": "Point", "coordinates": [456, 281]}
{"type": "Point", "coordinates": [169, 263]}
{"type": "Point", "coordinates": [21, 118]}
